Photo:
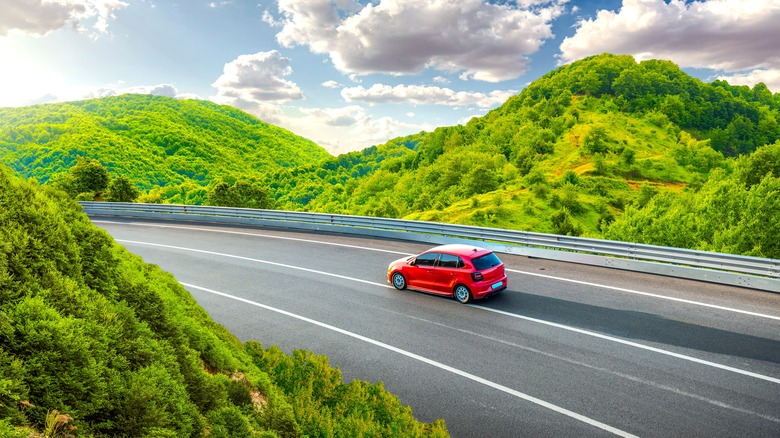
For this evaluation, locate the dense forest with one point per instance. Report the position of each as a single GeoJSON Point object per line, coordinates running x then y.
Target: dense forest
{"type": "Point", "coordinates": [94, 342]}
{"type": "Point", "coordinates": [604, 147]}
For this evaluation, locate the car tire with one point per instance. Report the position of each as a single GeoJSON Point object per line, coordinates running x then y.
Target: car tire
{"type": "Point", "coordinates": [462, 294]}
{"type": "Point", "coordinates": [399, 281]}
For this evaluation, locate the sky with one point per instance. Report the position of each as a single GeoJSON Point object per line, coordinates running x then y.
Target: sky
{"type": "Point", "coordinates": [349, 74]}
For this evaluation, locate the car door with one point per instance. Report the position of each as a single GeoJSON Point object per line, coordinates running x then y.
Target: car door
{"type": "Point", "coordinates": [446, 272]}
{"type": "Point", "coordinates": [422, 271]}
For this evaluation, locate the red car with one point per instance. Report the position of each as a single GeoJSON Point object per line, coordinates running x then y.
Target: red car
{"type": "Point", "coordinates": [463, 271]}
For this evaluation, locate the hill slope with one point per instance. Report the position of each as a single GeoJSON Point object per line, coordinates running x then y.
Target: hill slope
{"type": "Point", "coordinates": [93, 338]}
{"type": "Point", "coordinates": [567, 155]}
{"type": "Point", "coordinates": [181, 145]}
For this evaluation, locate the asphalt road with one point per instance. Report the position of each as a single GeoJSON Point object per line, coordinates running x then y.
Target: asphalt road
{"type": "Point", "coordinates": [567, 350]}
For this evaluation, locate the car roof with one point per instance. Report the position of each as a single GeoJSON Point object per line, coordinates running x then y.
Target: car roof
{"type": "Point", "coordinates": [458, 249]}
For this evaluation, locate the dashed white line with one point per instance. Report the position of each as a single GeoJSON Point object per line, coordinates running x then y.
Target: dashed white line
{"type": "Point", "coordinates": [633, 344]}
{"type": "Point", "coordinates": [428, 361]}
{"type": "Point", "coordinates": [268, 236]}
{"type": "Point", "coordinates": [585, 283]}
{"type": "Point", "coordinates": [514, 315]}
{"type": "Point", "coordinates": [647, 294]}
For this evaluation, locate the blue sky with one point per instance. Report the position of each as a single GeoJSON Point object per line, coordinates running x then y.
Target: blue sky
{"type": "Point", "coordinates": [349, 74]}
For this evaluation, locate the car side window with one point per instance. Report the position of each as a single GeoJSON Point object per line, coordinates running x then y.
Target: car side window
{"type": "Point", "coordinates": [450, 261]}
{"type": "Point", "coordinates": [427, 259]}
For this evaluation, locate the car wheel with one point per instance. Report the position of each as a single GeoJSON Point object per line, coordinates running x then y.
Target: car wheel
{"type": "Point", "coordinates": [399, 281]}
{"type": "Point", "coordinates": [462, 294]}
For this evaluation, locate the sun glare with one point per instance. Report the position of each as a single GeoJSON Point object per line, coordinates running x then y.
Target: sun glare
{"type": "Point", "coordinates": [25, 80]}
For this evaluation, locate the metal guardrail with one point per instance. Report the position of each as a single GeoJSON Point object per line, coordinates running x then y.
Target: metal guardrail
{"type": "Point", "coordinates": [752, 272]}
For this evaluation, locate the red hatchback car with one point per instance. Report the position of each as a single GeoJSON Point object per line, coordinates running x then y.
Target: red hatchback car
{"type": "Point", "coordinates": [463, 271]}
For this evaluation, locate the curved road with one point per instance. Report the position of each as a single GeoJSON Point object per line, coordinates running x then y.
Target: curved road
{"type": "Point", "coordinates": [567, 350]}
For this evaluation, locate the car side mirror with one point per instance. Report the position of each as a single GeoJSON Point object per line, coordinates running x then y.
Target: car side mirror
{"type": "Point", "coordinates": [412, 262]}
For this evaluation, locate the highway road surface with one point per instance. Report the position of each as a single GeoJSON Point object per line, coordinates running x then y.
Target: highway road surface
{"type": "Point", "coordinates": [567, 351]}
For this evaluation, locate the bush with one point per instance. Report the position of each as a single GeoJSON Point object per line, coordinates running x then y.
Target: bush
{"type": "Point", "coordinates": [324, 406]}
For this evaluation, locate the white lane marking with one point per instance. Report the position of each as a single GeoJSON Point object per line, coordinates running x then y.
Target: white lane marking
{"type": "Point", "coordinates": [431, 362]}
{"type": "Point", "coordinates": [591, 367]}
{"type": "Point", "coordinates": [632, 344]}
{"type": "Point", "coordinates": [514, 315]}
{"type": "Point", "coordinates": [648, 294]}
{"type": "Point", "coordinates": [241, 233]}
{"type": "Point", "coordinates": [282, 265]}
{"type": "Point", "coordinates": [620, 289]}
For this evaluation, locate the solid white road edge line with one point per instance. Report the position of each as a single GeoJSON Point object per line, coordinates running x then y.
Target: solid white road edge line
{"type": "Point", "coordinates": [514, 315]}
{"type": "Point", "coordinates": [647, 294]}
{"type": "Point", "coordinates": [602, 286]}
{"type": "Point", "coordinates": [242, 233]}
{"type": "Point", "coordinates": [431, 362]}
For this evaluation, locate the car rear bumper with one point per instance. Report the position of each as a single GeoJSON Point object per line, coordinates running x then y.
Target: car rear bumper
{"type": "Point", "coordinates": [486, 289]}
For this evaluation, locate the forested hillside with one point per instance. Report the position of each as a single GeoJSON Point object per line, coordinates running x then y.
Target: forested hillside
{"type": "Point", "coordinates": [569, 155]}
{"type": "Point", "coordinates": [178, 147]}
{"type": "Point", "coordinates": [94, 342]}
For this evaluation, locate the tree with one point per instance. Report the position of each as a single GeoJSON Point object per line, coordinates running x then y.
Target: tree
{"type": "Point", "coordinates": [89, 176]}
{"type": "Point", "coordinates": [87, 180]}
{"type": "Point", "coordinates": [481, 179]}
{"type": "Point", "coordinates": [764, 161]}
{"type": "Point", "coordinates": [222, 195]}
{"type": "Point", "coordinates": [596, 139]}
{"type": "Point", "coordinates": [122, 190]}
{"type": "Point", "coordinates": [563, 225]}
{"type": "Point", "coordinates": [241, 195]}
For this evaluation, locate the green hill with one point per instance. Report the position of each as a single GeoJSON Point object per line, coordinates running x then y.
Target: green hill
{"type": "Point", "coordinates": [94, 342]}
{"type": "Point", "coordinates": [568, 155]}
{"type": "Point", "coordinates": [177, 146]}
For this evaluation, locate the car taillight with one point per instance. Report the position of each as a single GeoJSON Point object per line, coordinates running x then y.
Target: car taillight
{"type": "Point", "coordinates": [476, 276]}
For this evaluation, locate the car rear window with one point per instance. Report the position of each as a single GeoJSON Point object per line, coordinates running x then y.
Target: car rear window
{"type": "Point", "coordinates": [450, 261]}
{"type": "Point", "coordinates": [487, 261]}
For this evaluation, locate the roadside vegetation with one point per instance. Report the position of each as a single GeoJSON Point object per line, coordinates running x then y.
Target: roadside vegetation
{"type": "Point", "coordinates": [95, 342]}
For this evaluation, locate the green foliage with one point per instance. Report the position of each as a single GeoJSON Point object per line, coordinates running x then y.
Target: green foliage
{"type": "Point", "coordinates": [241, 194]}
{"type": "Point", "coordinates": [326, 407]}
{"type": "Point", "coordinates": [94, 339]}
{"type": "Point", "coordinates": [86, 180]}
{"type": "Point", "coordinates": [122, 190]}
{"type": "Point", "coordinates": [725, 215]}
{"type": "Point", "coordinates": [155, 142]}
{"type": "Point", "coordinates": [764, 162]}
{"type": "Point", "coordinates": [596, 141]}
{"type": "Point", "coordinates": [563, 224]}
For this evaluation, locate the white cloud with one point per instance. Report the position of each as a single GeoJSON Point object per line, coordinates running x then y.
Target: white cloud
{"type": "Point", "coordinates": [166, 90]}
{"type": "Point", "coordinates": [214, 5]}
{"type": "Point", "coordinates": [481, 40]}
{"type": "Point", "coordinates": [39, 17]}
{"type": "Point", "coordinates": [256, 80]}
{"type": "Point", "coordinates": [770, 78]}
{"type": "Point", "coordinates": [331, 84]}
{"type": "Point", "coordinates": [727, 35]}
{"type": "Point", "coordinates": [424, 95]}
{"type": "Point", "coordinates": [337, 129]}
{"type": "Point", "coordinates": [344, 129]}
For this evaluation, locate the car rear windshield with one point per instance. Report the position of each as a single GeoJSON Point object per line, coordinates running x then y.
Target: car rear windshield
{"type": "Point", "coordinates": [487, 261]}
